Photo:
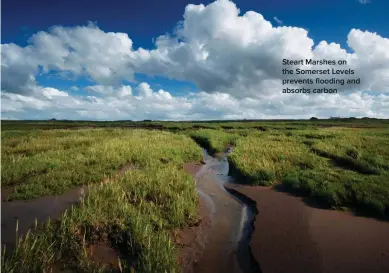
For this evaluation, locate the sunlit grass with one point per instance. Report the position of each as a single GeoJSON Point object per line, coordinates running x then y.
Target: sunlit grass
{"type": "Point", "coordinates": [133, 212]}
{"type": "Point", "coordinates": [214, 140]}
{"type": "Point", "coordinates": [342, 168]}
{"type": "Point", "coordinates": [87, 157]}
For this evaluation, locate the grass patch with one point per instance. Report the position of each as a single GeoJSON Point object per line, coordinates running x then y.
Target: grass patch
{"type": "Point", "coordinates": [346, 168]}
{"type": "Point", "coordinates": [54, 165]}
{"type": "Point", "coordinates": [133, 213]}
{"type": "Point", "coordinates": [214, 141]}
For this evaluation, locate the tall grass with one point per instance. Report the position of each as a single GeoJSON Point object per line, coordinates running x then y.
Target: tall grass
{"type": "Point", "coordinates": [343, 168]}
{"type": "Point", "coordinates": [214, 140]}
{"type": "Point", "coordinates": [133, 213]}
{"type": "Point", "coordinates": [51, 162]}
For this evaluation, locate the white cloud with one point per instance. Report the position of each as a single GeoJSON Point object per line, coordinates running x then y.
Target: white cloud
{"type": "Point", "coordinates": [144, 90]}
{"type": "Point", "coordinates": [101, 89]}
{"type": "Point", "coordinates": [109, 90]}
{"type": "Point", "coordinates": [364, 2]}
{"type": "Point", "coordinates": [222, 51]}
{"type": "Point", "coordinates": [125, 90]}
{"type": "Point", "coordinates": [50, 92]}
{"type": "Point", "coordinates": [234, 59]}
{"type": "Point", "coordinates": [162, 105]}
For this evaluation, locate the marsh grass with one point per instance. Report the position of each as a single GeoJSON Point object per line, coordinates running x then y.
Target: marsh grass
{"type": "Point", "coordinates": [342, 168]}
{"type": "Point", "coordinates": [213, 140]}
{"type": "Point", "coordinates": [133, 213]}
{"type": "Point", "coordinates": [360, 151]}
{"type": "Point", "coordinates": [59, 160]}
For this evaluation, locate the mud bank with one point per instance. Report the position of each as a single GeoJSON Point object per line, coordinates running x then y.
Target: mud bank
{"type": "Point", "coordinates": [290, 236]}
{"type": "Point", "coordinates": [225, 248]}
{"type": "Point", "coordinates": [25, 213]}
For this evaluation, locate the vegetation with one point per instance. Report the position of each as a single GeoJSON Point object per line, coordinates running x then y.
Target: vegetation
{"type": "Point", "coordinates": [133, 213]}
{"type": "Point", "coordinates": [214, 141]}
{"type": "Point", "coordinates": [216, 124]}
{"type": "Point", "coordinates": [338, 162]}
{"type": "Point", "coordinates": [339, 168]}
{"type": "Point", "coordinates": [39, 163]}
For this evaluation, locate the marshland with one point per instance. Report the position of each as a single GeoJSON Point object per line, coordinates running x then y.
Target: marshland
{"type": "Point", "coordinates": [115, 196]}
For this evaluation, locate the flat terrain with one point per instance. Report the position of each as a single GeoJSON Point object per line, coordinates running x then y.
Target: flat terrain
{"type": "Point", "coordinates": [118, 195]}
{"type": "Point", "coordinates": [138, 193]}
{"type": "Point", "coordinates": [338, 167]}
{"type": "Point", "coordinates": [291, 235]}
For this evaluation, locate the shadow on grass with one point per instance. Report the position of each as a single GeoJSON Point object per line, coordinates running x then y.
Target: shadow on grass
{"type": "Point", "coordinates": [204, 143]}
{"type": "Point", "coordinates": [320, 203]}
{"type": "Point", "coordinates": [347, 163]}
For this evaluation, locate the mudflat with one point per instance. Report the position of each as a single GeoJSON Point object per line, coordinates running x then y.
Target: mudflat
{"type": "Point", "coordinates": [24, 213]}
{"type": "Point", "coordinates": [291, 236]}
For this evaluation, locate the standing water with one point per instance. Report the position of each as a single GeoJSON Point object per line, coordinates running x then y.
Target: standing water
{"type": "Point", "coordinates": [227, 249]}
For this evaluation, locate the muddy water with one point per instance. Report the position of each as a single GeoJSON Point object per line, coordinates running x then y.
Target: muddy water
{"type": "Point", "coordinates": [227, 248]}
{"type": "Point", "coordinates": [25, 212]}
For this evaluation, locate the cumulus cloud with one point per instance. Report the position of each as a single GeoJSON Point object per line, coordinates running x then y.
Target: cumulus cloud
{"type": "Point", "coordinates": [144, 90]}
{"type": "Point", "coordinates": [223, 51]}
{"type": "Point", "coordinates": [50, 92]}
{"type": "Point", "coordinates": [234, 59]}
{"type": "Point", "coordinates": [202, 105]}
{"type": "Point", "coordinates": [109, 90]}
{"type": "Point", "coordinates": [125, 91]}
{"type": "Point", "coordinates": [18, 69]}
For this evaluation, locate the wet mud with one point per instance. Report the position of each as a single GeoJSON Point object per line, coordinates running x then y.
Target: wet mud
{"type": "Point", "coordinates": [226, 248]}
{"type": "Point", "coordinates": [25, 213]}
{"type": "Point", "coordinates": [244, 229]}
{"type": "Point", "coordinates": [292, 237]}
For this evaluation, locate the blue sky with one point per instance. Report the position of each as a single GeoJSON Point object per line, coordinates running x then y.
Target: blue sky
{"type": "Point", "coordinates": [329, 20]}
{"type": "Point", "coordinates": [144, 21]}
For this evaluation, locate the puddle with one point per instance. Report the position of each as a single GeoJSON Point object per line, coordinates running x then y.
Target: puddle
{"type": "Point", "coordinates": [26, 211]}
{"type": "Point", "coordinates": [40, 209]}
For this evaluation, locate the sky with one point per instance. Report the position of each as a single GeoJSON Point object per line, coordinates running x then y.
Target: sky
{"type": "Point", "coordinates": [189, 60]}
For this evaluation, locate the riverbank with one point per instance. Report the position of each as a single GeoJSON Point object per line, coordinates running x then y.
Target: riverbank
{"type": "Point", "coordinates": [290, 236]}
{"type": "Point", "coordinates": [228, 226]}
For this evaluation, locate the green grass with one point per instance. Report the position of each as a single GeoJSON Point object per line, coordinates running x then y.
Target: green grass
{"type": "Point", "coordinates": [342, 168]}
{"type": "Point", "coordinates": [214, 140]}
{"type": "Point", "coordinates": [134, 213]}
{"type": "Point", "coordinates": [362, 151]}
{"type": "Point", "coordinates": [51, 162]}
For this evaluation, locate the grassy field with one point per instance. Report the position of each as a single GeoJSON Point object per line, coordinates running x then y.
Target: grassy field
{"type": "Point", "coordinates": [339, 168]}
{"type": "Point", "coordinates": [134, 213]}
{"type": "Point", "coordinates": [214, 141]}
{"type": "Point", "coordinates": [37, 163]}
{"type": "Point", "coordinates": [343, 164]}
